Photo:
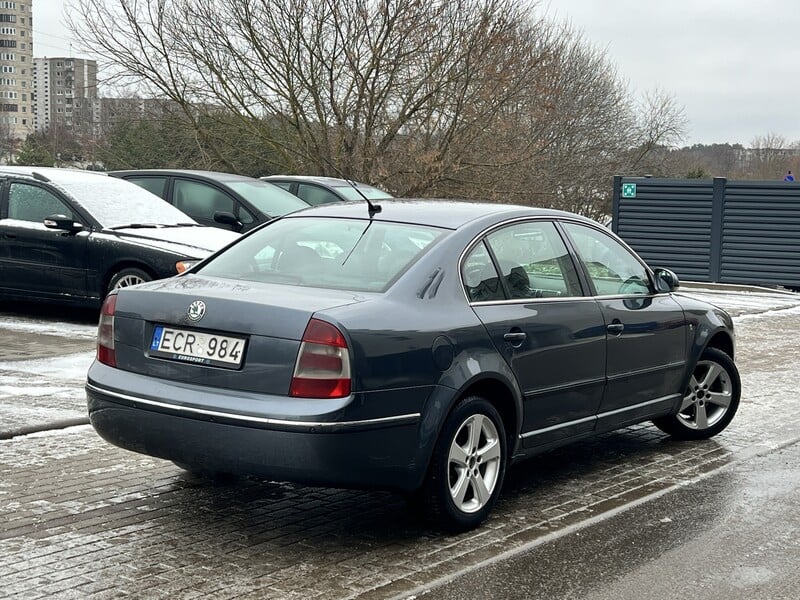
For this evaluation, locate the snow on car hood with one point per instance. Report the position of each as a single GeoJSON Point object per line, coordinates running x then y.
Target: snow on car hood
{"type": "Point", "coordinates": [200, 241]}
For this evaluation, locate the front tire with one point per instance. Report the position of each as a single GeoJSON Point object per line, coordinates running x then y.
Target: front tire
{"type": "Point", "coordinates": [468, 466]}
{"type": "Point", "coordinates": [128, 277]}
{"type": "Point", "coordinates": [710, 401]}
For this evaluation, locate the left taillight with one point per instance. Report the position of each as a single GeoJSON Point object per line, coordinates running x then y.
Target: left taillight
{"type": "Point", "coordinates": [105, 332]}
{"type": "Point", "coordinates": [322, 369]}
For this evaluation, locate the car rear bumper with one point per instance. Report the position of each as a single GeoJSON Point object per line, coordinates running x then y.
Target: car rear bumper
{"type": "Point", "coordinates": [379, 452]}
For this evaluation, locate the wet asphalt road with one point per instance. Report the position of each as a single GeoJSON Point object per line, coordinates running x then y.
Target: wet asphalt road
{"type": "Point", "coordinates": [732, 536]}
{"type": "Point", "coordinates": [619, 516]}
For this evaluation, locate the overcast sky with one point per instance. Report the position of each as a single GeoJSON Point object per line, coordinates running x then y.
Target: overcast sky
{"type": "Point", "coordinates": [733, 64]}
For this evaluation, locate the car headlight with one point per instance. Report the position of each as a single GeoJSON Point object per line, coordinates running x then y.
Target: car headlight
{"type": "Point", "coordinates": [185, 265]}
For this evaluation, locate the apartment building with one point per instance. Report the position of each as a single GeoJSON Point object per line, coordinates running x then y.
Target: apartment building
{"type": "Point", "coordinates": [65, 95]}
{"type": "Point", "coordinates": [16, 69]}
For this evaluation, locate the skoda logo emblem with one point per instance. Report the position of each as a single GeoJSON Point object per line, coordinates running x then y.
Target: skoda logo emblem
{"type": "Point", "coordinates": [196, 310]}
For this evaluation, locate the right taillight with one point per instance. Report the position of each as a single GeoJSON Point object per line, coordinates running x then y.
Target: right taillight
{"type": "Point", "coordinates": [105, 332]}
{"type": "Point", "coordinates": [322, 369]}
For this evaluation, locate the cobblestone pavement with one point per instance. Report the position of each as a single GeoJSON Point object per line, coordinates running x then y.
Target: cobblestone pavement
{"type": "Point", "coordinates": [80, 518]}
{"type": "Point", "coordinates": [43, 364]}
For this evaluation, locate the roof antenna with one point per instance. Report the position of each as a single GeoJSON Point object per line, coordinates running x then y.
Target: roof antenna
{"type": "Point", "coordinates": [373, 209]}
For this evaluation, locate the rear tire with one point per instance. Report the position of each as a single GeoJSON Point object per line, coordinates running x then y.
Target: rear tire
{"type": "Point", "coordinates": [128, 277]}
{"type": "Point", "coordinates": [468, 466]}
{"type": "Point", "coordinates": [710, 401]}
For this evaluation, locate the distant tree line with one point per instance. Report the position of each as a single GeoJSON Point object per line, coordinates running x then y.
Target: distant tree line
{"type": "Point", "coordinates": [448, 98]}
{"type": "Point", "coordinates": [440, 98]}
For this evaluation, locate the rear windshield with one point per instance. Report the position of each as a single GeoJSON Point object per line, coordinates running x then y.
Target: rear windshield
{"type": "Point", "coordinates": [352, 193]}
{"type": "Point", "coordinates": [266, 197]}
{"type": "Point", "coordinates": [344, 254]}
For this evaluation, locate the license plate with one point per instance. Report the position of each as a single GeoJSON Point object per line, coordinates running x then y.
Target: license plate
{"type": "Point", "coordinates": [197, 347]}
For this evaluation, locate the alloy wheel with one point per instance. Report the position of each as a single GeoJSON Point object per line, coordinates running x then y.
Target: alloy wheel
{"type": "Point", "coordinates": [473, 464]}
{"type": "Point", "coordinates": [708, 396]}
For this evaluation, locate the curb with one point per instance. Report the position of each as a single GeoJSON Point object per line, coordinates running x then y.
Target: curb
{"type": "Point", "coordinates": [734, 287]}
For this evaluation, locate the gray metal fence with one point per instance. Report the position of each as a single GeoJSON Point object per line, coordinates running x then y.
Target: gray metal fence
{"type": "Point", "coordinates": [716, 230]}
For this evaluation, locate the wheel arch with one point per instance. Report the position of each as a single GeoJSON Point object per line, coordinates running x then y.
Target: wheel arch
{"type": "Point", "coordinates": [498, 390]}
{"type": "Point", "coordinates": [500, 395]}
{"type": "Point", "coordinates": [723, 341]}
{"type": "Point", "coordinates": [720, 338]}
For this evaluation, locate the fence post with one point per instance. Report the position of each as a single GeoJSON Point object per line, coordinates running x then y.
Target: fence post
{"type": "Point", "coordinates": [615, 203]}
{"type": "Point", "coordinates": [717, 210]}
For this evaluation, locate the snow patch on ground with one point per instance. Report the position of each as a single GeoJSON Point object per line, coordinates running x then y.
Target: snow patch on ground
{"type": "Point", "coordinates": [72, 367]}
{"type": "Point", "coordinates": [48, 327]}
{"type": "Point", "coordinates": [791, 311]}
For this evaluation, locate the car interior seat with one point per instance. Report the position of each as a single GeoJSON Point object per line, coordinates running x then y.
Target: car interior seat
{"type": "Point", "coordinates": [296, 258]}
{"type": "Point", "coordinates": [519, 284]}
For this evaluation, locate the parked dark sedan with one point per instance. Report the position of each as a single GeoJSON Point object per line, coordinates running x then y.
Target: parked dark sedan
{"type": "Point", "coordinates": [319, 190]}
{"type": "Point", "coordinates": [71, 236]}
{"type": "Point", "coordinates": [423, 348]}
{"type": "Point", "coordinates": [223, 200]}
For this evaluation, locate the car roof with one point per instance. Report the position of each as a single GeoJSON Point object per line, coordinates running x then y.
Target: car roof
{"type": "Point", "coordinates": [449, 214]}
{"type": "Point", "coordinates": [322, 180]}
{"type": "Point", "coordinates": [212, 175]}
{"type": "Point", "coordinates": [54, 174]}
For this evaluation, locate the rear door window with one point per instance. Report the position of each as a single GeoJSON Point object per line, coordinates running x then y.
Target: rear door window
{"type": "Point", "coordinates": [527, 260]}
{"type": "Point", "coordinates": [532, 261]}
{"type": "Point", "coordinates": [314, 194]}
{"type": "Point", "coordinates": [199, 200]}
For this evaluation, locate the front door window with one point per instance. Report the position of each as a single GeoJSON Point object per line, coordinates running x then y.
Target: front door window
{"type": "Point", "coordinates": [613, 270]}
{"type": "Point", "coordinates": [32, 203]}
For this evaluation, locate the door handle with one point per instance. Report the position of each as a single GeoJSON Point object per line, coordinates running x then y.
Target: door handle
{"type": "Point", "coordinates": [515, 337]}
{"type": "Point", "coordinates": [615, 328]}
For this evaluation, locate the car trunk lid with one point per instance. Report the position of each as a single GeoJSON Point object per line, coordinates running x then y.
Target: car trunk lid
{"type": "Point", "coordinates": [268, 319]}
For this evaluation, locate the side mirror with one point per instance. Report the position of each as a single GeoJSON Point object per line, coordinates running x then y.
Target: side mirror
{"type": "Point", "coordinates": [227, 218]}
{"type": "Point", "coordinates": [62, 222]}
{"type": "Point", "coordinates": [666, 280]}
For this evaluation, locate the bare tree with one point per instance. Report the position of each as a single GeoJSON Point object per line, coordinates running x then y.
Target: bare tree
{"type": "Point", "coordinates": [769, 157]}
{"type": "Point", "coordinates": [326, 82]}
{"type": "Point", "coordinates": [470, 98]}
{"type": "Point", "coordinates": [661, 124]}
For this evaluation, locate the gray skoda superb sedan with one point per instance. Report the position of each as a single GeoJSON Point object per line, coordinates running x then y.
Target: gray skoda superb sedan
{"type": "Point", "coordinates": [424, 347]}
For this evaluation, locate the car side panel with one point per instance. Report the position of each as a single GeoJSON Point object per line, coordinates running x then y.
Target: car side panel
{"type": "Point", "coordinates": [647, 358]}
{"type": "Point", "coordinates": [560, 365]}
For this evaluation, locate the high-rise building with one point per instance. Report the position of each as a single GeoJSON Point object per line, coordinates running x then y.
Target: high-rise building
{"type": "Point", "coordinates": [16, 69]}
{"type": "Point", "coordinates": [65, 95]}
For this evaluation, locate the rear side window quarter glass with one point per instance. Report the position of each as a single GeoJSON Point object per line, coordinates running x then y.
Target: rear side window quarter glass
{"type": "Point", "coordinates": [154, 185]}
{"type": "Point", "coordinates": [481, 281]}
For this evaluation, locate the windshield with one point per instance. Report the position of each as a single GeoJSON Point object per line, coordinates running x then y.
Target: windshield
{"type": "Point", "coordinates": [267, 198]}
{"type": "Point", "coordinates": [372, 193]}
{"type": "Point", "coordinates": [114, 202]}
{"type": "Point", "coordinates": [346, 254]}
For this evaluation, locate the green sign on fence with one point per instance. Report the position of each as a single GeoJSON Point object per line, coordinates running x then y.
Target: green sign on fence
{"type": "Point", "coordinates": [629, 190]}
